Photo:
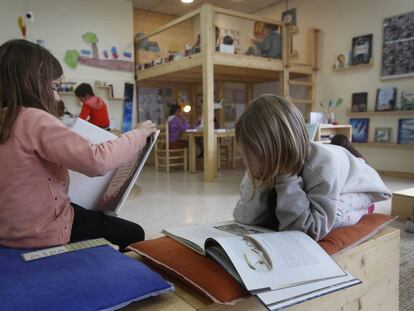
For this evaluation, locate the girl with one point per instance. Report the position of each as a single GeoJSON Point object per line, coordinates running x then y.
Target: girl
{"type": "Point", "coordinates": [36, 151]}
{"type": "Point", "coordinates": [294, 184]}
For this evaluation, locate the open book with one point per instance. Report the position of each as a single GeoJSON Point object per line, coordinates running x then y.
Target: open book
{"type": "Point", "coordinates": [106, 193]}
{"type": "Point", "coordinates": [281, 267]}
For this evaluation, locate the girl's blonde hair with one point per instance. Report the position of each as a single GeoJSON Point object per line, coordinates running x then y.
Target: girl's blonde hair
{"type": "Point", "coordinates": [272, 137]}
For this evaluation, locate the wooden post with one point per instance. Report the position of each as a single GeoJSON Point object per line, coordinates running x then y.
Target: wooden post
{"type": "Point", "coordinates": [313, 34]}
{"type": "Point", "coordinates": [220, 91]}
{"type": "Point", "coordinates": [207, 49]}
{"type": "Point", "coordinates": [248, 93]}
{"type": "Point", "coordinates": [284, 75]}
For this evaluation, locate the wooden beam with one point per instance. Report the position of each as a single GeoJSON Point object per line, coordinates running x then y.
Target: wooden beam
{"type": "Point", "coordinates": [245, 61]}
{"type": "Point", "coordinates": [177, 65]}
{"type": "Point", "coordinates": [207, 48]}
{"type": "Point", "coordinates": [171, 24]}
{"type": "Point", "coordinates": [301, 83]}
{"type": "Point", "coordinates": [249, 93]}
{"type": "Point", "coordinates": [251, 17]}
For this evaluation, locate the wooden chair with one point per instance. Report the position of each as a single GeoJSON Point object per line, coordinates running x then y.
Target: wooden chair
{"type": "Point", "coordinates": [166, 157]}
{"type": "Point", "coordinates": [225, 153]}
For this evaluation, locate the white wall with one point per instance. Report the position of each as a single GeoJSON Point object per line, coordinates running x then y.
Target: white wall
{"type": "Point", "coordinates": [340, 21]}
{"type": "Point", "coordinates": [61, 23]}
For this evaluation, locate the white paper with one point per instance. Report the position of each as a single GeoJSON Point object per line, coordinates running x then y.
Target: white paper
{"type": "Point", "coordinates": [277, 260]}
{"type": "Point", "coordinates": [277, 299]}
{"type": "Point", "coordinates": [83, 190]}
{"type": "Point", "coordinates": [264, 259]}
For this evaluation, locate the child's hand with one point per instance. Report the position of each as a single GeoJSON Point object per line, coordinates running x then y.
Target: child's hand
{"type": "Point", "coordinates": [146, 127]}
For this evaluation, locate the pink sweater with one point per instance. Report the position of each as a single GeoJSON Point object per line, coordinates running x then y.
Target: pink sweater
{"type": "Point", "coordinates": [35, 209]}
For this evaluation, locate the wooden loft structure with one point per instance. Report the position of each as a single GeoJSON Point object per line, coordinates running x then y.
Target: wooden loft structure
{"type": "Point", "coordinates": [209, 66]}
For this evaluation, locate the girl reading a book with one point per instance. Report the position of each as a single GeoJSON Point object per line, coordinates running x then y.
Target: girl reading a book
{"type": "Point", "coordinates": [294, 184]}
{"type": "Point", "coordinates": [36, 151]}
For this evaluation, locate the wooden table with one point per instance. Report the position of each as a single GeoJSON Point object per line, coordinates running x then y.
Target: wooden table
{"type": "Point", "coordinates": [219, 133]}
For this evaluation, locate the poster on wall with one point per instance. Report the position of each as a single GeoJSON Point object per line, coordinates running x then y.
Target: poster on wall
{"type": "Point", "coordinates": [150, 105]}
{"type": "Point", "coordinates": [398, 47]}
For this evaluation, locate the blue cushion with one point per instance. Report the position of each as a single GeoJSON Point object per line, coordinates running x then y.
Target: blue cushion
{"type": "Point", "coordinates": [98, 278]}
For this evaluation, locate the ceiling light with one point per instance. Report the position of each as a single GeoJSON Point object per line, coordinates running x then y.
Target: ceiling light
{"type": "Point", "coordinates": [187, 1]}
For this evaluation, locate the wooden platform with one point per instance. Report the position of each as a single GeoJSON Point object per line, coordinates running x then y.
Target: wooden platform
{"type": "Point", "coordinates": [375, 262]}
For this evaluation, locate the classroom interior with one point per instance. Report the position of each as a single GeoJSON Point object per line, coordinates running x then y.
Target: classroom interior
{"type": "Point", "coordinates": [335, 65]}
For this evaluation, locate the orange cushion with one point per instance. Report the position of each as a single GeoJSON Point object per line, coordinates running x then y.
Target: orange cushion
{"type": "Point", "coordinates": [198, 271]}
{"type": "Point", "coordinates": [211, 279]}
{"type": "Point", "coordinates": [341, 238]}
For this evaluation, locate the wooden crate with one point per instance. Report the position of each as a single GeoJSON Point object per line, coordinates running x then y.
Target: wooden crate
{"type": "Point", "coordinates": [403, 203]}
{"type": "Point", "coordinates": [375, 262]}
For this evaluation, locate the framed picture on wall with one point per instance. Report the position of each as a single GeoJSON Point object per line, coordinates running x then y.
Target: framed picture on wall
{"type": "Point", "coordinates": [406, 131]}
{"type": "Point", "coordinates": [385, 100]}
{"type": "Point", "coordinates": [361, 50]}
{"type": "Point", "coordinates": [382, 135]}
{"type": "Point", "coordinates": [360, 129]}
{"type": "Point", "coordinates": [398, 46]}
{"type": "Point", "coordinates": [359, 102]}
{"type": "Point", "coordinates": [407, 100]}
{"type": "Point", "coordinates": [289, 16]}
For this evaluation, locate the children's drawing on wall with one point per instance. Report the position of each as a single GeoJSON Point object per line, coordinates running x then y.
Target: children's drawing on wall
{"type": "Point", "coordinates": [21, 23]}
{"type": "Point", "coordinates": [265, 41]}
{"type": "Point", "coordinates": [91, 57]}
{"type": "Point", "coordinates": [289, 16]}
{"type": "Point", "coordinates": [150, 105]}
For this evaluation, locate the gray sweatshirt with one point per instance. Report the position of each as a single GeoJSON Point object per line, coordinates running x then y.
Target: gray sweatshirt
{"type": "Point", "coordinates": [308, 202]}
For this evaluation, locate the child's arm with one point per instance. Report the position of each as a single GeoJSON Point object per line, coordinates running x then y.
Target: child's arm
{"type": "Point", "coordinates": [56, 143]}
{"type": "Point", "coordinates": [313, 212]}
{"type": "Point", "coordinates": [252, 210]}
{"type": "Point", "coordinates": [85, 112]}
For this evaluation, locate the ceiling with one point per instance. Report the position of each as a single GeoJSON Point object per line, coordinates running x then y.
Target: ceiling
{"type": "Point", "coordinates": [176, 7]}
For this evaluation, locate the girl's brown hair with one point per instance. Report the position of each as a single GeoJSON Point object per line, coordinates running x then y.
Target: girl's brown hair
{"type": "Point", "coordinates": [272, 137]}
{"type": "Point", "coordinates": [26, 74]}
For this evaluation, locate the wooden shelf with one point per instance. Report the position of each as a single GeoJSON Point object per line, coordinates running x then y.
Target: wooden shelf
{"type": "Point", "coordinates": [302, 101]}
{"type": "Point", "coordinates": [110, 91]}
{"type": "Point", "coordinates": [384, 145]}
{"type": "Point", "coordinates": [381, 113]}
{"type": "Point", "coordinates": [370, 64]}
{"type": "Point", "coordinates": [301, 83]}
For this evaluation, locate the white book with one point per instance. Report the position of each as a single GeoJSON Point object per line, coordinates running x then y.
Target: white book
{"type": "Point", "coordinates": [83, 190]}
{"type": "Point", "coordinates": [287, 297]}
{"type": "Point", "coordinates": [260, 259]}
{"type": "Point", "coordinates": [106, 193]}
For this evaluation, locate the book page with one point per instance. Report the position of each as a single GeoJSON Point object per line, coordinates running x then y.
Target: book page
{"type": "Point", "coordinates": [83, 190]}
{"type": "Point", "coordinates": [123, 180]}
{"type": "Point", "coordinates": [195, 236]}
{"type": "Point", "coordinates": [278, 260]}
{"type": "Point", "coordinates": [277, 299]}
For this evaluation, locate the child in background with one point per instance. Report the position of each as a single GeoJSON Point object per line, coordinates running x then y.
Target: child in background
{"type": "Point", "coordinates": [94, 108]}
{"type": "Point", "coordinates": [177, 124]}
{"type": "Point", "coordinates": [63, 114]}
{"type": "Point", "coordinates": [269, 46]}
{"type": "Point", "coordinates": [343, 141]}
{"type": "Point", "coordinates": [36, 151]}
{"type": "Point", "coordinates": [294, 184]}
